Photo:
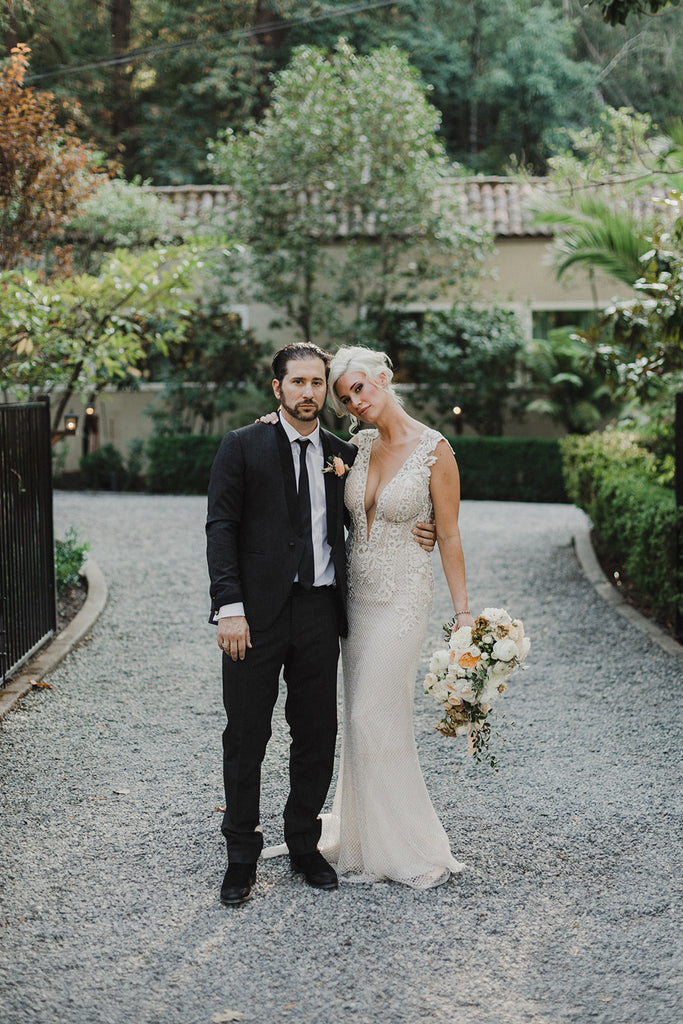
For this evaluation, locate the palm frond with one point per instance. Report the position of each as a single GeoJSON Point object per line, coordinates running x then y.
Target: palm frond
{"type": "Point", "coordinates": [597, 235]}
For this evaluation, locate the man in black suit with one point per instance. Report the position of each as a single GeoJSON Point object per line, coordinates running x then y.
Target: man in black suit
{"type": "Point", "coordinates": [276, 554]}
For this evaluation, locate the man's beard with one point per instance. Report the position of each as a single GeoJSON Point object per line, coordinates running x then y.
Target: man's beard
{"type": "Point", "coordinates": [298, 413]}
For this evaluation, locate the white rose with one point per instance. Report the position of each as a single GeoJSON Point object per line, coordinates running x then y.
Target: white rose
{"type": "Point", "coordinates": [489, 693]}
{"type": "Point", "coordinates": [461, 639]}
{"type": "Point", "coordinates": [523, 646]}
{"type": "Point", "coordinates": [496, 616]}
{"type": "Point", "coordinates": [440, 661]}
{"type": "Point", "coordinates": [516, 630]}
{"type": "Point", "coordinates": [505, 649]}
{"type": "Point", "coordinates": [439, 690]}
{"type": "Point", "coordinates": [466, 690]}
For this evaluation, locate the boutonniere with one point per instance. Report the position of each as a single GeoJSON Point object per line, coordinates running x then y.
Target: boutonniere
{"type": "Point", "coordinates": [336, 466]}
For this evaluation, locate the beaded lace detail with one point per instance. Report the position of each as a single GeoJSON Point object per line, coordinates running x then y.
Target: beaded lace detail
{"type": "Point", "coordinates": [383, 824]}
{"type": "Point", "coordinates": [387, 565]}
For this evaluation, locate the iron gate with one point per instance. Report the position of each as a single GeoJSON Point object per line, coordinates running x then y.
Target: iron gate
{"type": "Point", "coordinates": [28, 612]}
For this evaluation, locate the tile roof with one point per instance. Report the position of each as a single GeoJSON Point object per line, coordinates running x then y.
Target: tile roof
{"type": "Point", "coordinates": [502, 204]}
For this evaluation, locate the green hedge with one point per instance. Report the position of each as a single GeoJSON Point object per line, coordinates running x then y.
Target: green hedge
{"type": "Point", "coordinates": [492, 468]}
{"type": "Point", "coordinates": [509, 469]}
{"type": "Point", "coordinates": [180, 463]}
{"type": "Point", "coordinates": [611, 477]}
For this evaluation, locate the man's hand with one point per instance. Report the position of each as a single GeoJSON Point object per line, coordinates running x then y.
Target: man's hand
{"type": "Point", "coordinates": [425, 535]}
{"type": "Point", "coordinates": [234, 637]}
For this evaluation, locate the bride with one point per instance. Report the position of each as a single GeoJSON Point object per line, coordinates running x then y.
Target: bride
{"type": "Point", "coordinates": [383, 824]}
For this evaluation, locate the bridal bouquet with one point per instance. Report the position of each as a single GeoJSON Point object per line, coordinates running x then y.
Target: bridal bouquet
{"type": "Point", "coordinates": [469, 675]}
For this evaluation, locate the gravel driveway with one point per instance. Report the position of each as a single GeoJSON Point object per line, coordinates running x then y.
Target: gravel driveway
{"type": "Point", "coordinates": [111, 855]}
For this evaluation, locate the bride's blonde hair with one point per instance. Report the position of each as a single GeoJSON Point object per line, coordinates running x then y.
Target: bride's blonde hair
{"type": "Point", "coordinates": [357, 359]}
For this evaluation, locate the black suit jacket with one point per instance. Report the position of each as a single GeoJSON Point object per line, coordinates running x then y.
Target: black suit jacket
{"type": "Point", "coordinates": [254, 541]}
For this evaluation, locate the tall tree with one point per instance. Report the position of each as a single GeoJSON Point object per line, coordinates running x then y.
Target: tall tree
{"type": "Point", "coordinates": [506, 75]}
{"type": "Point", "coordinates": [347, 147]}
{"type": "Point", "coordinates": [82, 333]}
{"type": "Point", "coordinates": [44, 168]}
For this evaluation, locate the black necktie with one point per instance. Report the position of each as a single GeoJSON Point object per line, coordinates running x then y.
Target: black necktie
{"type": "Point", "coordinates": [306, 571]}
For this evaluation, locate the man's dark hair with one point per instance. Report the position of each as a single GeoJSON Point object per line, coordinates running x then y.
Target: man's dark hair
{"type": "Point", "coordinates": [300, 350]}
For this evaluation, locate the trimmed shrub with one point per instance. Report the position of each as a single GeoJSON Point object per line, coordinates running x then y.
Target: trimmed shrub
{"type": "Point", "coordinates": [491, 468]}
{"type": "Point", "coordinates": [103, 470]}
{"type": "Point", "coordinates": [612, 478]}
{"type": "Point", "coordinates": [180, 463]}
{"type": "Point", "coordinates": [509, 469]}
{"type": "Point", "coordinates": [107, 470]}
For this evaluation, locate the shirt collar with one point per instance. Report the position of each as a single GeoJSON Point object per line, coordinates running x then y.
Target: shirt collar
{"type": "Point", "coordinates": [294, 435]}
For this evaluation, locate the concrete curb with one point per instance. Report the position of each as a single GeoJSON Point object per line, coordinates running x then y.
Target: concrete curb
{"type": "Point", "coordinates": [49, 658]}
{"type": "Point", "coordinates": [592, 570]}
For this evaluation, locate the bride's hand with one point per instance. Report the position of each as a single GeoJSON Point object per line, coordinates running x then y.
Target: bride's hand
{"type": "Point", "coordinates": [270, 417]}
{"type": "Point", "coordinates": [464, 619]}
{"type": "Point", "coordinates": [425, 535]}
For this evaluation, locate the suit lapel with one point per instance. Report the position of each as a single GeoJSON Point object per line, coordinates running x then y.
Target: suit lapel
{"type": "Point", "coordinates": [285, 451]}
{"type": "Point", "coordinates": [334, 488]}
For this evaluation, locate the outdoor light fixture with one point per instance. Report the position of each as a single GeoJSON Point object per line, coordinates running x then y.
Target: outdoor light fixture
{"type": "Point", "coordinates": [70, 423]}
{"type": "Point", "coordinates": [457, 410]}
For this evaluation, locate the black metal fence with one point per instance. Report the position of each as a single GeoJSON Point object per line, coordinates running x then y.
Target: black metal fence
{"type": "Point", "coordinates": [28, 613]}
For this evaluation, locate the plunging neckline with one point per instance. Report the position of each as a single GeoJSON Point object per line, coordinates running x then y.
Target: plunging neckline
{"type": "Point", "coordinates": [369, 525]}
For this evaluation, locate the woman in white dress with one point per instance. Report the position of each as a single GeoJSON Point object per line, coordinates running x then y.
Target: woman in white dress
{"type": "Point", "coordinates": [383, 824]}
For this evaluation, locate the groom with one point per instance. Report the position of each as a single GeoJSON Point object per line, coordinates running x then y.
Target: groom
{"type": "Point", "coordinates": [276, 554]}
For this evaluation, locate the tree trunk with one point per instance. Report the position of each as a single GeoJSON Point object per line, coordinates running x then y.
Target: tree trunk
{"type": "Point", "coordinates": [265, 14]}
{"type": "Point", "coordinates": [122, 113]}
{"type": "Point", "coordinates": [475, 60]}
{"type": "Point", "coordinates": [11, 39]}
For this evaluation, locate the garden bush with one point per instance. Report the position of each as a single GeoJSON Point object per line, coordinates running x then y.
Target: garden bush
{"type": "Point", "coordinates": [180, 463]}
{"type": "Point", "coordinates": [613, 479]}
{"type": "Point", "coordinates": [69, 558]}
{"type": "Point", "coordinates": [103, 470]}
{"type": "Point", "coordinates": [509, 469]}
{"type": "Point", "coordinates": [107, 470]}
{"type": "Point", "coordinates": [497, 469]}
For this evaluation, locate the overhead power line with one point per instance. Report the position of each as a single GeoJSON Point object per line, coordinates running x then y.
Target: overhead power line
{"type": "Point", "coordinates": [114, 59]}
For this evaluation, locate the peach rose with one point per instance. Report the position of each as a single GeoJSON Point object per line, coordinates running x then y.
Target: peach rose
{"type": "Point", "coordinates": [468, 660]}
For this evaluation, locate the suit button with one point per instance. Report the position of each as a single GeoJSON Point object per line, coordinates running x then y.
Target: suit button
{"type": "Point", "coordinates": [291, 544]}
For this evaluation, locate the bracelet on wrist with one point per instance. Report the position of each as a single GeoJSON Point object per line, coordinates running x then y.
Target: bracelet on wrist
{"type": "Point", "coordinates": [466, 612]}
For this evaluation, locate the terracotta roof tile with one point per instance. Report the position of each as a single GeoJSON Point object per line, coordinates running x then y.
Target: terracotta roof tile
{"type": "Point", "coordinates": [501, 204]}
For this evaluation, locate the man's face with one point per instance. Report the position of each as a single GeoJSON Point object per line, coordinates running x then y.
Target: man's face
{"type": "Point", "coordinates": [302, 391]}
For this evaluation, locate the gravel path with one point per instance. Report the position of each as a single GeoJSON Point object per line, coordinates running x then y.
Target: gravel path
{"type": "Point", "coordinates": [111, 854]}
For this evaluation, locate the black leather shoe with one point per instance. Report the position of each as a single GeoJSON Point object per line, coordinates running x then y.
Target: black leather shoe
{"type": "Point", "coordinates": [315, 870]}
{"type": "Point", "coordinates": [237, 884]}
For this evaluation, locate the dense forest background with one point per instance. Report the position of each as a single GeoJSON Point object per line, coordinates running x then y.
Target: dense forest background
{"type": "Point", "coordinates": [150, 81]}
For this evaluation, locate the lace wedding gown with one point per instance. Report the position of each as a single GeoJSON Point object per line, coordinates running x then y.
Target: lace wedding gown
{"type": "Point", "coordinates": [383, 825]}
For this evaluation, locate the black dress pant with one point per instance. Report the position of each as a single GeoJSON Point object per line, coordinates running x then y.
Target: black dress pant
{"type": "Point", "coordinates": [304, 641]}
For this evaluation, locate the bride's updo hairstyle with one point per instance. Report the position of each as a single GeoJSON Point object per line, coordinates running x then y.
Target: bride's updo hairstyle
{"type": "Point", "coordinates": [357, 359]}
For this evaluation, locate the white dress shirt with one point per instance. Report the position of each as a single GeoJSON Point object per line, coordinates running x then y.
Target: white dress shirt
{"type": "Point", "coordinates": [315, 463]}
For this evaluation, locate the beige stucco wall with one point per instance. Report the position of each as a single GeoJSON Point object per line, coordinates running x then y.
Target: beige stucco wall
{"type": "Point", "coordinates": [520, 276]}
{"type": "Point", "coordinates": [122, 419]}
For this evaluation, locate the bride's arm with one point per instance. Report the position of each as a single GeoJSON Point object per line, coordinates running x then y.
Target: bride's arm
{"type": "Point", "coordinates": [445, 491]}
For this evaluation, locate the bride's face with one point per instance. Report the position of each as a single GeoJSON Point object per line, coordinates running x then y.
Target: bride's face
{"type": "Point", "coordinates": [360, 396]}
